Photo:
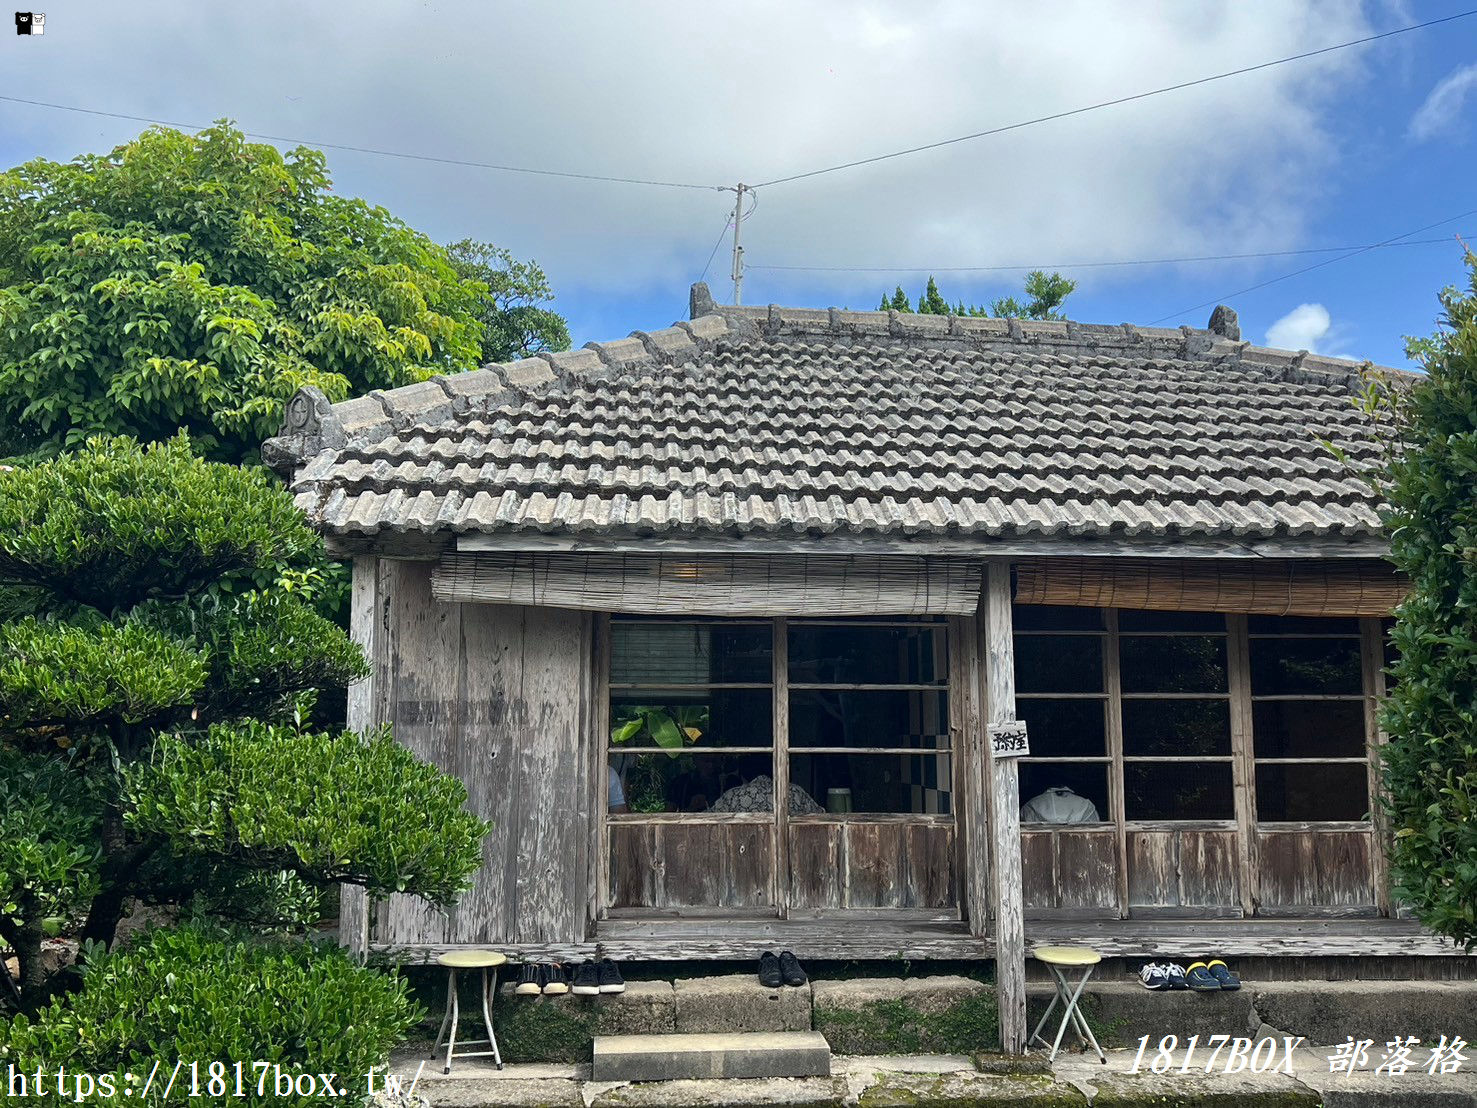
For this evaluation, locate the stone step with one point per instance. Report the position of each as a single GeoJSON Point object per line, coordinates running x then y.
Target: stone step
{"type": "Point", "coordinates": [690, 1057]}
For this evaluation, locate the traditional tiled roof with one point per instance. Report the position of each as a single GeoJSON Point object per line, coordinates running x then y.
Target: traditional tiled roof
{"type": "Point", "coordinates": [780, 422]}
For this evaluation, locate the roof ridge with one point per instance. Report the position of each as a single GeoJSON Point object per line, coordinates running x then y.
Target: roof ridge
{"type": "Point", "coordinates": [311, 423]}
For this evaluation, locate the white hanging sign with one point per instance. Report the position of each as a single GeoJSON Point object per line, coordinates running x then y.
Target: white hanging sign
{"type": "Point", "coordinates": [1009, 740]}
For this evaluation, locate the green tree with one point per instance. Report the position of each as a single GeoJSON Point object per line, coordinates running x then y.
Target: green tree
{"type": "Point", "coordinates": [1430, 762]}
{"type": "Point", "coordinates": [1045, 293]}
{"type": "Point", "coordinates": [196, 282]}
{"type": "Point", "coordinates": [151, 669]}
{"type": "Point", "coordinates": [516, 322]}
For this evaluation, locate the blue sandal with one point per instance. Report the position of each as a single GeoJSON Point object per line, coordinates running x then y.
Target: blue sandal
{"type": "Point", "coordinates": [1222, 973]}
{"type": "Point", "coordinates": [1201, 980]}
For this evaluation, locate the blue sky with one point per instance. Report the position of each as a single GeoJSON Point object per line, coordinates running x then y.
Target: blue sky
{"type": "Point", "coordinates": [1344, 149]}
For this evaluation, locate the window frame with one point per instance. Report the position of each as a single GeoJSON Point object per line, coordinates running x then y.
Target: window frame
{"type": "Point", "coordinates": [779, 818]}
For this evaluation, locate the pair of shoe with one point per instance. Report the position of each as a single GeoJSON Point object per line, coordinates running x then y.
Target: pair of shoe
{"type": "Point", "coordinates": [555, 979]}
{"type": "Point", "coordinates": [594, 978]}
{"type": "Point", "coordinates": [783, 969]}
{"type": "Point", "coordinates": [1201, 977]}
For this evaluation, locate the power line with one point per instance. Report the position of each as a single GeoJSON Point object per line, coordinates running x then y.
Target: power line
{"type": "Point", "coordinates": [1119, 100]}
{"type": "Point", "coordinates": [1089, 265]}
{"type": "Point", "coordinates": [381, 153]}
{"type": "Point", "coordinates": [727, 223]}
{"type": "Point", "coordinates": [1393, 240]}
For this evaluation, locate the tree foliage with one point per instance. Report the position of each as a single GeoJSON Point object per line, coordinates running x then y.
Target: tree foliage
{"type": "Point", "coordinates": [213, 996]}
{"type": "Point", "coordinates": [1430, 763]}
{"type": "Point", "coordinates": [514, 313]}
{"type": "Point", "coordinates": [148, 696]}
{"type": "Point", "coordinates": [198, 281]}
{"type": "Point", "coordinates": [1045, 293]}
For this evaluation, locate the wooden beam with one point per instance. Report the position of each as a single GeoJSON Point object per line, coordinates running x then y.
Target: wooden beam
{"type": "Point", "coordinates": [507, 541]}
{"type": "Point", "coordinates": [966, 688]}
{"type": "Point", "coordinates": [1005, 792]}
{"type": "Point", "coordinates": [353, 919]}
{"type": "Point", "coordinates": [1240, 938]}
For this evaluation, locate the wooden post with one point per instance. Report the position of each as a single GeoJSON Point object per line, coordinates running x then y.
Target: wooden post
{"type": "Point", "coordinates": [353, 916]}
{"type": "Point", "coordinates": [1005, 793]}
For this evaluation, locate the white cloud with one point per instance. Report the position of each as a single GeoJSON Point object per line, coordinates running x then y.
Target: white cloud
{"type": "Point", "coordinates": [1443, 107]}
{"type": "Point", "coordinates": [1300, 329]}
{"type": "Point", "coordinates": [752, 90]}
{"type": "Point", "coordinates": [1307, 327]}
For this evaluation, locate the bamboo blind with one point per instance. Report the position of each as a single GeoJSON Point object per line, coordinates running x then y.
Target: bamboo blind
{"type": "Point", "coordinates": [1261, 587]}
{"type": "Point", "coordinates": [716, 585]}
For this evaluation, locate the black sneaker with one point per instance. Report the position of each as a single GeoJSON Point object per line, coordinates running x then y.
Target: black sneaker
{"type": "Point", "coordinates": [586, 979]}
{"type": "Point", "coordinates": [611, 980]}
{"type": "Point", "coordinates": [769, 970]}
{"type": "Point", "coordinates": [556, 980]}
{"type": "Point", "coordinates": [531, 980]}
{"type": "Point", "coordinates": [790, 969]}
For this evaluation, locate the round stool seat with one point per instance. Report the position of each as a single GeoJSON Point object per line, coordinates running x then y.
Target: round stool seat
{"type": "Point", "coordinates": [471, 959]}
{"type": "Point", "coordinates": [1067, 955]}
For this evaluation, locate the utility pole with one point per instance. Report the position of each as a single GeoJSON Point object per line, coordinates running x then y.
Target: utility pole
{"type": "Point", "coordinates": [738, 251]}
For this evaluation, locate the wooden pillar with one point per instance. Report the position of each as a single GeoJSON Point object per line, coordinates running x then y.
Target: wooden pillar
{"type": "Point", "coordinates": [353, 917]}
{"type": "Point", "coordinates": [1005, 806]}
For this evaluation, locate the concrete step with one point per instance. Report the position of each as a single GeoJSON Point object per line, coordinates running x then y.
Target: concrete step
{"type": "Point", "coordinates": [693, 1057]}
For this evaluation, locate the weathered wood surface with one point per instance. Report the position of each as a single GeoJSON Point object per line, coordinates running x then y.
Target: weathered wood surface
{"type": "Point", "coordinates": [872, 864]}
{"type": "Point", "coordinates": [353, 919]}
{"type": "Point", "coordinates": [725, 864]}
{"type": "Point", "coordinates": [496, 695]}
{"type": "Point", "coordinates": [873, 938]}
{"type": "Point", "coordinates": [1069, 871]}
{"type": "Point", "coordinates": [1180, 939]}
{"type": "Point", "coordinates": [999, 667]}
{"type": "Point", "coordinates": [1189, 869]}
{"type": "Point", "coordinates": [1307, 870]}
{"type": "Point", "coordinates": [967, 726]}
{"type": "Point", "coordinates": [1005, 548]}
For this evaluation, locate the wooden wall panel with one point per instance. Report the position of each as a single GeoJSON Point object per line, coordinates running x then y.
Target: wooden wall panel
{"type": "Point", "coordinates": [1186, 872]}
{"type": "Point", "coordinates": [817, 864]}
{"type": "Point", "coordinates": [690, 865]}
{"type": "Point", "coordinates": [1069, 872]}
{"type": "Point", "coordinates": [493, 693]}
{"type": "Point", "coordinates": [1315, 872]}
{"type": "Point", "coordinates": [865, 864]}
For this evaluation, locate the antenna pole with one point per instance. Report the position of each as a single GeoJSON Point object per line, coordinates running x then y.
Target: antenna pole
{"type": "Point", "coordinates": [738, 251]}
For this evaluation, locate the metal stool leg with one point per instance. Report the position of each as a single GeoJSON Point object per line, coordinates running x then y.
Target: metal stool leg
{"type": "Point", "coordinates": [1035, 1035]}
{"type": "Point", "coordinates": [445, 1022]}
{"type": "Point", "coordinates": [489, 991]}
{"type": "Point", "coordinates": [456, 1012]}
{"type": "Point", "coordinates": [1071, 1002]}
{"type": "Point", "coordinates": [1081, 1021]}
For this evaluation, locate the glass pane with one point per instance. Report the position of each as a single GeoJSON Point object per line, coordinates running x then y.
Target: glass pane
{"type": "Point", "coordinates": [836, 717]}
{"type": "Point", "coordinates": [691, 720]}
{"type": "Point", "coordinates": [1169, 790]}
{"type": "Point", "coordinates": [1130, 620]}
{"type": "Point", "coordinates": [1067, 792]}
{"type": "Point", "coordinates": [1176, 728]}
{"type": "Point", "coordinates": [1303, 793]}
{"type": "Point", "coordinates": [1052, 617]}
{"type": "Point", "coordinates": [688, 782]}
{"type": "Point", "coordinates": [1308, 728]}
{"type": "Point", "coordinates": [1301, 625]}
{"type": "Point", "coordinates": [1282, 667]}
{"type": "Point", "coordinates": [1182, 663]}
{"type": "Point", "coordinates": [1058, 663]}
{"type": "Point", "coordinates": [912, 783]}
{"type": "Point", "coordinates": [690, 653]}
{"type": "Point", "coordinates": [1064, 728]}
{"type": "Point", "coordinates": [868, 655]}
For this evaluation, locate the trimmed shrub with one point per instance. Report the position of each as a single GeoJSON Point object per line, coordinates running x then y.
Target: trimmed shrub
{"type": "Point", "coordinates": [212, 998]}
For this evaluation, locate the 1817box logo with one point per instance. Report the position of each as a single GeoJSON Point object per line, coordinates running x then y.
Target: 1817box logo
{"type": "Point", "coordinates": [30, 23]}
